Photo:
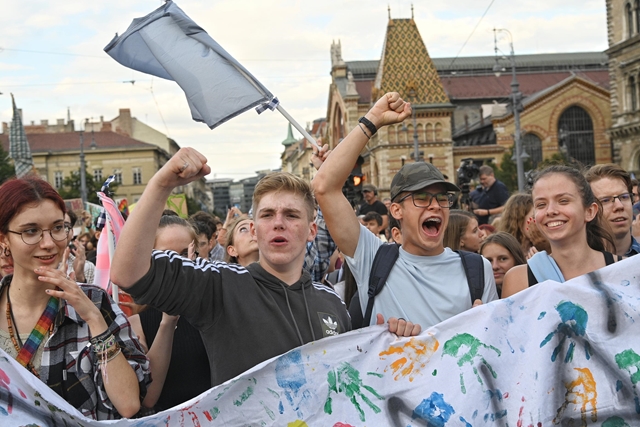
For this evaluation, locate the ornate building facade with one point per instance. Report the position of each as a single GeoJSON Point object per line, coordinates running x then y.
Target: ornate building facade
{"type": "Point", "coordinates": [462, 109]}
{"type": "Point", "coordinates": [623, 30]}
{"type": "Point", "coordinates": [405, 67]}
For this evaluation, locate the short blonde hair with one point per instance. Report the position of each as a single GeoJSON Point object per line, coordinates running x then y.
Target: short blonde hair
{"type": "Point", "coordinates": [285, 182]}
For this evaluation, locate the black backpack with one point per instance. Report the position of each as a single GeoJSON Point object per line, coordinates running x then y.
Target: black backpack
{"type": "Point", "coordinates": [384, 261]}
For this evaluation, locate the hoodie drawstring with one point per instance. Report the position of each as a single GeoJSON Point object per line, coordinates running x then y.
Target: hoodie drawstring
{"type": "Point", "coordinates": [286, 295]}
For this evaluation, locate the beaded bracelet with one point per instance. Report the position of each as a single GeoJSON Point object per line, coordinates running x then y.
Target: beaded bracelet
{"type": "Point", "coordinates": [101, 345]}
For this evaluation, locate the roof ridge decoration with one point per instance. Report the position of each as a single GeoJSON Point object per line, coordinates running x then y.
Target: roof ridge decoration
{"type": "Point", "coordinates": [405, 64]}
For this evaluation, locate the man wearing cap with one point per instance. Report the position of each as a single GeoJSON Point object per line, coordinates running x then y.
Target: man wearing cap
{"type": "Point", "coordinates": [427, 284]}
{"type": "Point", "coordinates": [372, 204]}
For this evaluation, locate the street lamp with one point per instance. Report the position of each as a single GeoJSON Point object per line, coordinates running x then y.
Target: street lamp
{"type": "Point", "coordinates": [416, 148]}
{"type": "Point", "coordinates": [516, 97]}
{"type": "Point", "coordinates": [83, 178]}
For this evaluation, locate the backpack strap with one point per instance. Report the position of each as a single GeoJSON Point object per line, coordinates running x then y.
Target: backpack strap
{"type": "Point", "coordinates": [608, 258]}
{"type": "Point", "coordinates": [383, 262]}
{"type": "Point", "coordinates": [531, 277]}
{"type": "Point", "coordinates": [473, 265]}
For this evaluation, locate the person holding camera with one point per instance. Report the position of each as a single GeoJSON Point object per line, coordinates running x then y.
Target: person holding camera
{"type": "Point", "coordinates": [492, 196]}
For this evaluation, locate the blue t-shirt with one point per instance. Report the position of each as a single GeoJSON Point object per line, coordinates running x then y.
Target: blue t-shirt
{"type": "Point", "coordinates": [421, 289]}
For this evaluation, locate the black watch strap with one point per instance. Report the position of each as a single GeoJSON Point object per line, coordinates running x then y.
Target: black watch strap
{"type": "Point", "coordinates": [372, 128]}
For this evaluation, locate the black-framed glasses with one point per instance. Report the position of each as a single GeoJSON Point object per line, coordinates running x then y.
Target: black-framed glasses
{"type": "Point", "coordinates": [32, 236]}
{"type": "Point", "coordinates": [423, 199]}
{"type": "Point", "coordinates": [624, 198]}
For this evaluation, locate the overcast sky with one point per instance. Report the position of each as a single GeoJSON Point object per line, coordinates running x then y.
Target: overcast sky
{"type": "Point", "coordinates": [52, 58]}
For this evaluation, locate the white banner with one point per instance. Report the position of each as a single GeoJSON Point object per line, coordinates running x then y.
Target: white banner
{"type": "Point", "coordinates": [556, 354]}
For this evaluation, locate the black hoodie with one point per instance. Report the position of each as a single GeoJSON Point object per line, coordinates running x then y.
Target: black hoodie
{"type": "Point", "coordinates": [245, 315]}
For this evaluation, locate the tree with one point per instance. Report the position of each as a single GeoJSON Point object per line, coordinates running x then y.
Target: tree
{"type": "Point", "coordinates": [193, 205]}
{"type": "Point", "coordinates": [508, 170]}
{"type": "Point", "coordinates": [6, 166]}
{"type": "Point", "coordinates": [71, 187]}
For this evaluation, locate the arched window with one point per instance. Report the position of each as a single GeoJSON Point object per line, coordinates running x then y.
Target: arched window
{"type": "Point", "coordinates": [575, 135]}
{"type": "Point", "coordinates": [429, 131]}
{"type": "Point", "coordinates": [629, 20]}
{"type": "Point", "coordinates": [338, 126]}
{"type": "Point", "coordinates": [438, 132]}
{"type": "Point", "coordinates": [633, 94]}
{"type": "Point", "coordinates": [532, 145]}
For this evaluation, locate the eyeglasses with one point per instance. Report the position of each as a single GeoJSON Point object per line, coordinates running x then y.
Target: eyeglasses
{"type": "Point", "coordinates": [624, 198]}
{"type": "Point", "coordinates": [32, 236]}
{"type": "Point", "coordinates": [423, 199]}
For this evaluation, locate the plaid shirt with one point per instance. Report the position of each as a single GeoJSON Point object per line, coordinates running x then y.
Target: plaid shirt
{"type": "Point", "coordinates": [217, 253]}
{"type": "Point", "coordinates": [316, 261]}
{"type": "Point", "coordinates": [69, 364]}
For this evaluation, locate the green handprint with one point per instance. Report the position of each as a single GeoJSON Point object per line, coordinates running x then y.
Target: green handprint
{"type": "Point", "coordinates": [629, 360]}
{"type": "Point", "coordinates": [346, 379]}
{"type": "Point", "coordinates": [453, 346]}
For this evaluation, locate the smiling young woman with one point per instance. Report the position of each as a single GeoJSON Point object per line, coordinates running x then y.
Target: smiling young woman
{"type": "Point", "coordinates": [567, 213]}
{"type": "Point", "coordinates": [53, 326]}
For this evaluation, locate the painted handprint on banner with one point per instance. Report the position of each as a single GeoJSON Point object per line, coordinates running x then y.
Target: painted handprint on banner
{"type": "Point", "coordinates": [412, 357]}
{"type": "Point", "coordinates": [629, 360]}
{"type": "Point", "coordinates": [291, 378]}
{"type": "Point", "coordinates": [346, 379]}
{"type": "Point", "coordinates": [471, 345]}
{"type": "Point", "coordinates": [580, 392]}
{"type": "Point", "coordinates": [434, 410]}
{"type": "Point", "coordinates": [574, 324]}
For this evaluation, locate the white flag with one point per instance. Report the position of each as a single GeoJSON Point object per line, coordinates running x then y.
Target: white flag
{"type": "Point", "coordinates": [168, 44]}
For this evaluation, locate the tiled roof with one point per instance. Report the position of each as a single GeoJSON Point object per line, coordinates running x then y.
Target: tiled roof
{"type": "Point", "coordinates": [43, 142]}
{"type": "Point", "coordinates": [406, 65]}
{"type": "Point", "coordinates": [490, 86]}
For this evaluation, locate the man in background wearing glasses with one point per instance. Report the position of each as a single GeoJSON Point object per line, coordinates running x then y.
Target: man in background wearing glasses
{"type": "Point", "coordinates": [611, 185]}
{"type": "Point", "coordinates": [427, 284]}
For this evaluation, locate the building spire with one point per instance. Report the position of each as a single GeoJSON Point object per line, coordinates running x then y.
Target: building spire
{"type": "Point", "coordinates": [290, 140]}
{"type": "Point", "coordinates": [411, 10]}
{"type": "Point", "coordinates": [389, 11]}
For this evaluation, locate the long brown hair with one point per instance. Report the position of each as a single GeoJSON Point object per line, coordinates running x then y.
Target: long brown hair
{"type": "Point", "coordinates": [599, 236]}
{"type": "Point", "coordinates": [508, 242]}
{"type": "Point", "coordinates": [514, 215]}
{"type": "Point", "coordinates": [458, 222]}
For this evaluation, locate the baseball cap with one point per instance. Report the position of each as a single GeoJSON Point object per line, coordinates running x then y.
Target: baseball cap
{"type": "Point", "coordinates": [414, 176]}
{"type": "Point", "coordinates": [369, 187]}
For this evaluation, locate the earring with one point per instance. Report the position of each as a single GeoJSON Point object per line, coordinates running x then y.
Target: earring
{"type": "Point", "coordinates": [7, 252]}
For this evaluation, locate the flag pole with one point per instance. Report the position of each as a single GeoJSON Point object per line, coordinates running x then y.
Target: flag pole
{"type": "Point", "coordinates": [297, 126]}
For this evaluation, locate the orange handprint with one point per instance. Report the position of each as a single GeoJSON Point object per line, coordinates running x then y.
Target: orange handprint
{"type": "Point", "coordinates": [582, 392]}
{"type": "Point", "coordinates": [414, 354]}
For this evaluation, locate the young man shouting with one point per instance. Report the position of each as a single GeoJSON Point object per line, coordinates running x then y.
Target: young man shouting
{"type": "Point", "coordinates": [428, 283]}
{"type": "Point", "coordinates": [245, 315]}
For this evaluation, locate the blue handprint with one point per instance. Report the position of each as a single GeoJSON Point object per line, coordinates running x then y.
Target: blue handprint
{"type": "Point", "coordinates": [291, 378]}
{"type": "Point", "coordinates": [574, 324]}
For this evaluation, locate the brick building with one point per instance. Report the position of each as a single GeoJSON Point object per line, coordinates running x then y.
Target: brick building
{"type": "Point", "coordinates": [623, 31]}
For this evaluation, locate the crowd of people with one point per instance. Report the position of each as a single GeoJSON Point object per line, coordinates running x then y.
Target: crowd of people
{"type": "Point", "coordinates": [213, 298]}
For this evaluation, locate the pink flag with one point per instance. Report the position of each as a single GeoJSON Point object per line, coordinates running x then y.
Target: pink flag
{"type": "Point", "coordinates": [107, 243]}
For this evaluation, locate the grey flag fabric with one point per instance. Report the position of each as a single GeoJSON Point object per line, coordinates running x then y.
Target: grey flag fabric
{"type": "Point", "coordinates": [168, 44]}
{"type": "Point", "coordinates": [19, 149]}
